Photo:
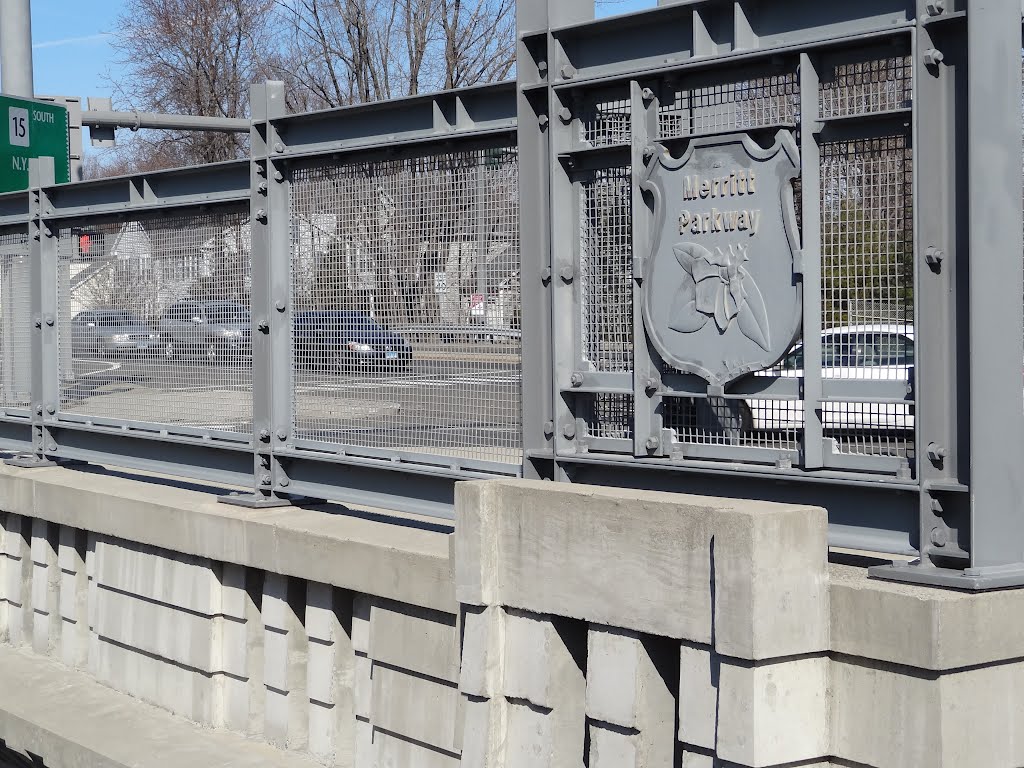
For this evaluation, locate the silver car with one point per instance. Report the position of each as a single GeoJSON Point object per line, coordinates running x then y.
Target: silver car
{"type": "Point", "coordinates": [216, 330]}
{"type": "Point", "coordinates": [106, 332]}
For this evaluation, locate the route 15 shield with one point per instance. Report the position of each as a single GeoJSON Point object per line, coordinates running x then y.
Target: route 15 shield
{"type": "Point", "coordinates": [721, 295]}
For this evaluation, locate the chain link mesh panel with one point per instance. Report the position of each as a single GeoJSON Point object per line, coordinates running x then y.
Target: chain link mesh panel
{"type": "Point", "coordinates": [737, 105]}
{"type": "Point", "coordinates": [867, 286]}
{"type": "Point", "coordinates": [15, 319]}
{"type": "Point", "coordinates": [606, 269]}
{"type": "Point", "coordinates": [865, 87]}
{"type": "Point", "coordinates": [405, 277]}
{"type": "Point", "coordinates": [154, 318]}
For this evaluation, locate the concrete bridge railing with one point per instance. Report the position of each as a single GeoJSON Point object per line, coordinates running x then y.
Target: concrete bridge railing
{"type": "Point", "coordinates": [556, 626]}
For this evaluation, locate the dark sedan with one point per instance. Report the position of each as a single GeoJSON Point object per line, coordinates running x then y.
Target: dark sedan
{"type": "Point", "coordinates": [348, 341]}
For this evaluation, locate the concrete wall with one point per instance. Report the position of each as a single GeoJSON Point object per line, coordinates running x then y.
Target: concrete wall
{"type": "Point", "coordinates": [559, 627]}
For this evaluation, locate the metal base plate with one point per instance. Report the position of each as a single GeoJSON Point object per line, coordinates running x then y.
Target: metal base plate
{"type": "Point", "coordinates": [255, 501]}
{"type": "Point", "coordinates": [970, 579]}
{"type": "Point", "coordinates": [30, 461]}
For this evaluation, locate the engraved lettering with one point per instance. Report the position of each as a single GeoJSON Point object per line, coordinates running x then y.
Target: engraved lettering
{"type": "Point", "coordinates": [691, 188]}
{"type": "Point", "coordinates": [705, 188]}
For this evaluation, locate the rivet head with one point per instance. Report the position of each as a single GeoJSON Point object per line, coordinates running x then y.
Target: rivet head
{"type": "Point", "coordinates": [264, 326]}
{"type": "Point", "coordinates": [565, 114]}
{"type": "Point", "coordinates": [261, 215]}
{"type": "Point", "coordinates": [265, 435]}
{"type": "Point", "coordinates": [51, 409]}
{"type": "Point", "coordinates": [49, 320]}
{"type": "Point", "coordinates": [284, 482]}
{"type": "Point", "coordinates": [265, 479]}
{"type": "Point", "coordinates": [282, 435]}
{"type": "Point", "coordinates": [647, 94]}
{"type": "Point", "coordinates": [568, 72]}
{"type": "Point", "coordinates": [653, 443]}
{"type": "Point", "coordinates": [940, 536]}
{"type": "Point", "coordinates": [576, 379]}
{"type": "Point", "coordinates": [280, 306]}
{"type": "Point", "coordinates": [278, 146]}
{"type": "Point", "coordinates": [570, 430]}
{"type": "Point", "coordinates": [651, 386]}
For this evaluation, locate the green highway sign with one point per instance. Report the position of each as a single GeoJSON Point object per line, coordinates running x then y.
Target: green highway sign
{"type": "Point", "coordinates": [32, 129]}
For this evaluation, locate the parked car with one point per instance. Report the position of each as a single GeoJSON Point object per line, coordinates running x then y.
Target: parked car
{"type": "Point", "coordinates": [347, 341]}
{"type": "Point", "coordinates": [106, 332]}
{"type": "Point", "coordinates": [213, 329]}
{"type": "Point", "coordinates": [883, 352]}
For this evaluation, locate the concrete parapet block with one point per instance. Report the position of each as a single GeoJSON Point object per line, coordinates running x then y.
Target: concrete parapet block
{"type": "Point", "coordinates": [748, 576]}
{"type": "Point", "coordinates": [889, 715]}
{"type": "Point", "coordinates": [417, 708]}
{"type": "Point", "coordinates": [629, 701]}
{"type": "Point", "coordinates": [286, 714]}
{"type": "Point", "coordinates": [483, 651]}
{"type": "Point", "coordinates": [160, 575]}
{"type": "Point", "coordinates": [14, 559]}
{"type": "Point", "coordinates": [74, 584]}
{"type": "Point", "coordinates": [391, 751]}
{"type": "Point", "coordinates": [545, 681]}
{"type": "Point", "coordinates": [754, 714]}
{"type": "Point", "coordinates": [45, 589]}
{"type": "Point", "coordinates": [331, 673]}
{"type": "Point", "coordinates": [418, 639]}
{"type": "Point", "coordinates": [186, 692]}
{"type": "Point", "coordinates": [870, 619]}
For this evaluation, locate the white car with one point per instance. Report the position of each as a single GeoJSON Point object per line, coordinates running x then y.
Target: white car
{"type": "Point", "coordinates": [857, 352]}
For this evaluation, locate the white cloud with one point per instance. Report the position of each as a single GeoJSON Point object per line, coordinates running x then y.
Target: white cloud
{"type": "Point", "coordinates": [72, 40]}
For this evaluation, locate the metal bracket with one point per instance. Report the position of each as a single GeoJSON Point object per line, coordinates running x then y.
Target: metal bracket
{"type": "Point", "coordinates": [255, 501]}
{"type": "Point", "coordinates": [970, 579]}
{"type": "Point", "coordinates": [31, 461]}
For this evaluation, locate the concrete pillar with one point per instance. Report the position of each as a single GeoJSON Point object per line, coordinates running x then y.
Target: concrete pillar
{"type": "Point", "coordinates": [744, 711]}
{"type": "Point", "coordinates": [631, 709]}
{"type": "Point", "coordinates": [45, 588]}
{"type": "Point", "coordinates": [74, 584]}
{"type": "Point", "coordinates": [485, 709]}
{"type": "Point", "coordinates": [362, 684]}
{"type": "Point", "coordinates": [232, 638]}
{"type": "Point", "coordinates": [330, 675]}
{"type": "Point", "coordinates": [286, 717]}
{"type": "Point", "coordinates": [14, 558]}
{"type": "Point", "coordinates": [93, 641]}
{"type": "Point", "coordinates": [545, 687]}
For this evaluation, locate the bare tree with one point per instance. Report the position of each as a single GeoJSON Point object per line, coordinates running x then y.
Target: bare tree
{"type": "Point", "coordinates": [352, 51]}
{"type": "Point", "coordinates": [479, 41]}
{"type": "Point", "coordinates": [194, 57]}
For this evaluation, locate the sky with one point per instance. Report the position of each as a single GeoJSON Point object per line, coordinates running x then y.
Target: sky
{"type": "Point", "coordinates": [71, 43]}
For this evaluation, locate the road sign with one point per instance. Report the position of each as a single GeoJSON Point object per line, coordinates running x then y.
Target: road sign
{"type": "Point", "coordinates": [32, 129]}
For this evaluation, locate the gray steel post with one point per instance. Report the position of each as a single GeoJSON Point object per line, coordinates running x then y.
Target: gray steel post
{"type": "Point", "coordinates": [42, 251]}
{"type": "Point", "coordinates": [544, 412]}
{"type": "Point", "coordinates": [990, 224]}
{"type": "Point", "coordinates": [16, 49]}
{"type": "Point", "coordinates": [270, 230]}
{"type": "Point", "coordinates": [648, 439]}
{"type": "Point", "coordinates": [996, 283]}
{"type": "Point", "coordinates": [810, 175]}
{"type": "Point", "coordinates": [936, 256]}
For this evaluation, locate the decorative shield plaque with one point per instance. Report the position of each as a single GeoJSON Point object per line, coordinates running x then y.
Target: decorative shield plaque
{"type": "Point", "coordinates": [721, 296]}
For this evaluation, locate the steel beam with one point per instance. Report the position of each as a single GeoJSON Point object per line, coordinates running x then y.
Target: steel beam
{"type": "Point", "coordinates": [136, 120]}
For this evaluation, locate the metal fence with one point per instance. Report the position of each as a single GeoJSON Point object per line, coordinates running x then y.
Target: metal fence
{"type": "Point", "coordinates": [392, 297]}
